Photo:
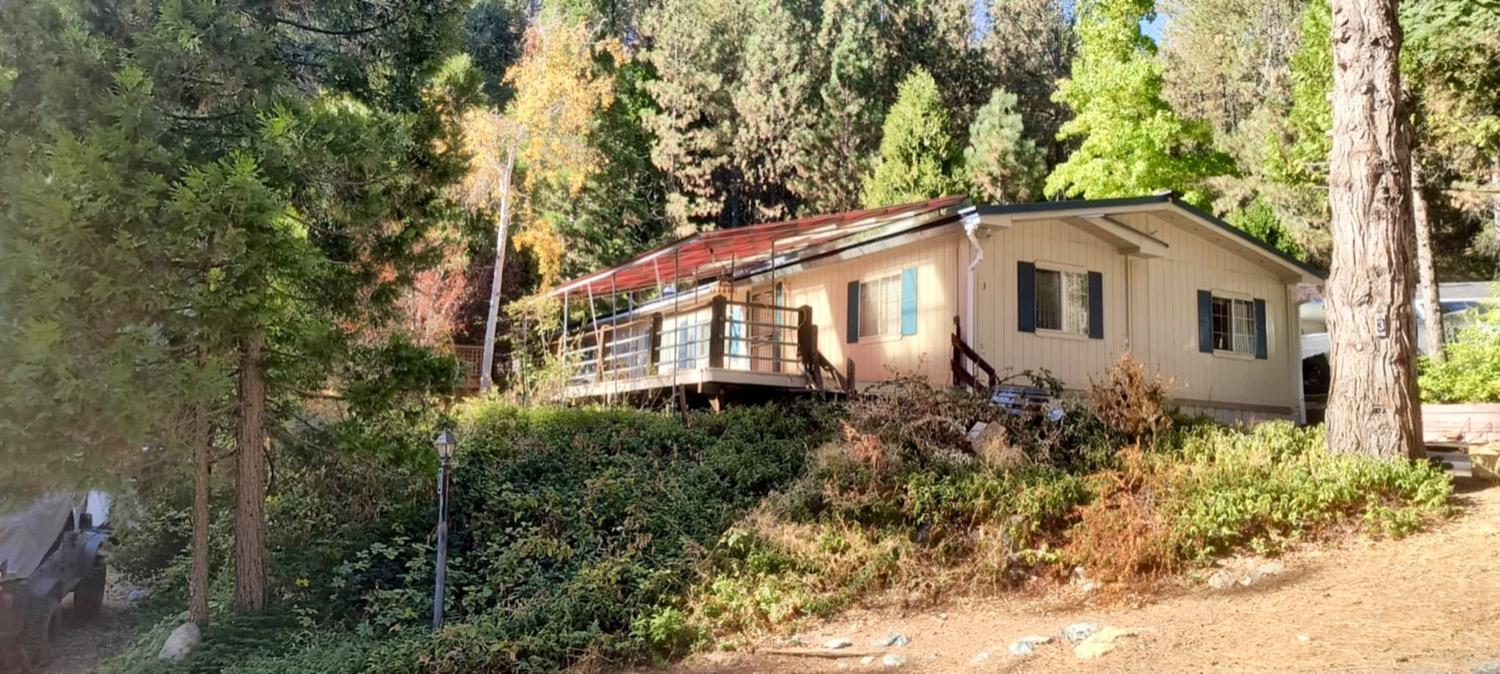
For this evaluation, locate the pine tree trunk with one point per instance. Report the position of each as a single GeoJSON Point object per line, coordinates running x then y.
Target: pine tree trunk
{"type": "Point", "coordinates": [250, 479]}
{"type": "Point", "coordinates": [198, 577]}
{"type": "Point", "coordinates": [1426, 275]}
{"type": "Point", "coordinates": [487, 364]}
{"type": "Point", "coordinates": [1372, 400]}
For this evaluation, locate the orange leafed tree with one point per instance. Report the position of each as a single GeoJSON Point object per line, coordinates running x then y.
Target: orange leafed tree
{"type": "Point", "coordinates": [559, 92]}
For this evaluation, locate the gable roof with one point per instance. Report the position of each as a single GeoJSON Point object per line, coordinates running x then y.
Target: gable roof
{"type": "Point", "coordinates": [1170, 200]}
{"type": "Point", "coordinates": [748, 251]}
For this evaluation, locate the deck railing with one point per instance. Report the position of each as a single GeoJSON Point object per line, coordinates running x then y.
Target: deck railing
{"type": "Point", "coordinates": [727, 334]}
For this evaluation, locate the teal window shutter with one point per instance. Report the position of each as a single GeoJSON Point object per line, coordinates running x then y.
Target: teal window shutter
{"type": "Point", "coordinates": [909, 301]}
{"type": "Point", "coordinates": [852, 324]}
{"type": "Point", "coordinates": [1261, 344]}
{"type": "Point", "coordinates": [1205, 321]}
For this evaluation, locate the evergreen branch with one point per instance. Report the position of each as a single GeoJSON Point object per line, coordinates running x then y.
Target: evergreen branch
{"type": "Point", "coordinates": [337, 32]}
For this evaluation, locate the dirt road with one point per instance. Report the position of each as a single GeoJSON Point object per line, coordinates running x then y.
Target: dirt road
{"type": "Point", "coordinates": [83, 645]}
{"type": "Point", "coordinates": [1428, 603]}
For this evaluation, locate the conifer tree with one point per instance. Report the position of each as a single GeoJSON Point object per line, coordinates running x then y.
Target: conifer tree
{"type": "Point", "coordinates": [918, 159]}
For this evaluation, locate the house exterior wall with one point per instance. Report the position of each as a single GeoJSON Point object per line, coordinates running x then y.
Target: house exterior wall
{"type": "Point", "coordinates": [1149, 310]}
{"type": "Point", "coordinates": [939, 276]}
{"type": "Point", "coordinates": [997, 337]}
{"type": "Point", "coordinates": [1151, 313]}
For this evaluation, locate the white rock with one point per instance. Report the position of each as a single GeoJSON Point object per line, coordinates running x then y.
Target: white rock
{"type": "Point", "coordinates": [1303, 638]}
{"type": "Point", "coordinates": [1222, 579]}
{"type": "Point", "coordinates": [1103, 641]}
{"type": "Point", "coordinates": [867, 660]}
{"type": "Point", "coordinates": [893, 660]}
{"type": "Point", "coordinates": [1022, 647]}
{"type": "Point", "coordinates": [1079, 631]}
{"type": "Point", "coordinates": [180, 643]}
{"type": "Point", "coordinates": [835, 644]}
{"type": "Point", "coordinates": [980, 658]}
{"type": "Point", "coordinates": [892, 639]}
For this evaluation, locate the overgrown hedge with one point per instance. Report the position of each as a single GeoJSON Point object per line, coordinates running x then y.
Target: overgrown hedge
{"type": "Point", "coordinates": [570, 527]}
{"type": "Point", "coordinates": [604, 536]}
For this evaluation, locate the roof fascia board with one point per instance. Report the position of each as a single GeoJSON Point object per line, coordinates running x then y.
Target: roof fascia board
{"type": "Point", "coordinates": [1294, 270]}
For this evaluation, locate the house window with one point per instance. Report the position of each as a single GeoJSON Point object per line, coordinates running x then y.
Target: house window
{"type": "Point", "coordinates": [1062, 301]}
{"type": "Point", "coordinates": [880, 306]}
{"type": "Point", "coordinates": [1234, 325]}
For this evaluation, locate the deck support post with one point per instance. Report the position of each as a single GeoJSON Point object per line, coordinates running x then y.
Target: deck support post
{"type": "Point", "coordinates": [719, 311]}
{"type": "Point", "coordinates": [653, 348]}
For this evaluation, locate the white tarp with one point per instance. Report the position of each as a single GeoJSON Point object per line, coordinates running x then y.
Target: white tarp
{"type": "Point", "coordinates": [26, 536]}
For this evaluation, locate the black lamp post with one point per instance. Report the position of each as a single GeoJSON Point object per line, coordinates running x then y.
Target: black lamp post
{"type": "Point", "coordinates": [444, 442]}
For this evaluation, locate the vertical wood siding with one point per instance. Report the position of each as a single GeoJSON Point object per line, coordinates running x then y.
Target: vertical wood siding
{"type": "Point", "coordinates": [1158, 323]}
{"type": "Point", "coordinates": [925, 353]}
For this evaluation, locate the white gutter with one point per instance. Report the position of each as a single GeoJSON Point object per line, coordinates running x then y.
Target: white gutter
{"type": "Point", "coordinates": [971, 229]}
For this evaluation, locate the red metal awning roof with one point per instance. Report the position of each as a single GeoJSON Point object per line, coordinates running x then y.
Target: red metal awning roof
{"type": "Point", "coordinates": [745, 250]}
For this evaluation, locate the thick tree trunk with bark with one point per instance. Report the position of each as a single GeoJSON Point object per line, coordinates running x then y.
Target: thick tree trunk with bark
{"type": "Point", "coordinates": [1373, 406]}
{"type": "Point", "coordinates": [202, 434]}
{"type": "Point", "coordinates": [1426, 273]}
{"type": "Point", "coordinates": [250, 478]}
{"type": "Point", "coordinates": [487, 364]}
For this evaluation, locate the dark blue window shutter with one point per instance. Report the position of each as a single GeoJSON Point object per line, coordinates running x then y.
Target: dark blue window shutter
{"type": "Point", "coordinates": [1205, 321]}
{"type": "Point", "coordinates": [909, 301]}
{"type": "Point", "coordinates": [1026, 296]}
{"type": "Point", "coordinates": [1261, 350]}
{"type": "Point", "coordinates": [853, 312]}
{"type": "Point", "coordinates": [1096, 305]}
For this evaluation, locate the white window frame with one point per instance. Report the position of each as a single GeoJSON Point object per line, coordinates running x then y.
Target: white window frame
{"type": "Point", "coordinates": [883, 313]}
{"type": "Point", "coordinates": [1242, 328]}
{"type": "Point", "coordinates": [1073, 318]}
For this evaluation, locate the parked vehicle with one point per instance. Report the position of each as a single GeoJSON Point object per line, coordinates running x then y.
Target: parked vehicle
{"type": "Point", "coordinates": [50, 550]}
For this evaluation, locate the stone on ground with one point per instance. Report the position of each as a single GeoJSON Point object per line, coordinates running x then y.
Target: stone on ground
{"type": "Point", "coordinates": [835, 644]}
{"type": "Point", "coordinates": [1079, 631]}
{"type": "Point", "coordinates": [980, 658]}
{"type": "Point", "coordinates": [1222, 579]}
{"type": "Point", "coordinates": [1102, 642]}
{"type": "Point", "coordinates": [892, 639]}
{"type": "Point", "coordinates": [180, 643]}
{"type": "Point", "coordinates": [893, 660]}
{"type": "Point", "coordinates": [1027, 645]}
{"type": "Point", "coordinates": [1491, 667]}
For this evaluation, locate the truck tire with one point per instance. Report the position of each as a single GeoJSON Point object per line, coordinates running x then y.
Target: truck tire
{"type": "Point", "coordinates": [36, 641]}
{"type": "Point", "coordinates": [88, 596]}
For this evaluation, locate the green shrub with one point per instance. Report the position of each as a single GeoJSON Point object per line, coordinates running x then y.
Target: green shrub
{"type": "Point", "coordinates": [1211, 490]}
{"type": "Point", "coordinates": [1471, 372]}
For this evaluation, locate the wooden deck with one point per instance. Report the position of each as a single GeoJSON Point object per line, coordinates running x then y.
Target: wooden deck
{"type": "Point", "coordinates": [709, 380]}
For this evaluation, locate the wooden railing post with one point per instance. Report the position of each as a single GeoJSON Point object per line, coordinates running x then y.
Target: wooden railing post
{"type": "Point", "coordinates": [602, 353]}
{"type": "Point", "coordinates": [654, 343]}
{"type": "Point", "coordinates": [719, 311]}
{"type": "Point", "coordinates": [956, 364]}
{"type": "Point", "coordinates": [807, 339]}
{"type": "Point", "coordinates": [848, 375]}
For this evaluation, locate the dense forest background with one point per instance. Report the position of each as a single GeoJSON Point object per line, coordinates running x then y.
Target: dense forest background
{"type": "Point", "coordinates": [691, 115]}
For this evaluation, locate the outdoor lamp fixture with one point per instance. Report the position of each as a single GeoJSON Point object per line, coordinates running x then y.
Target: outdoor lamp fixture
{"type": "Point", "coordinates": [444, 442]}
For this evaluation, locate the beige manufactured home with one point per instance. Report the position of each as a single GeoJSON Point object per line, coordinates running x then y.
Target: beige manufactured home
{"type": "Point", "coordinates": [953, 292]}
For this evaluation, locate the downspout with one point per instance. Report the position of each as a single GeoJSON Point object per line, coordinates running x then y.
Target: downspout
{"type": "Point", "coordinates": [971, 230]}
